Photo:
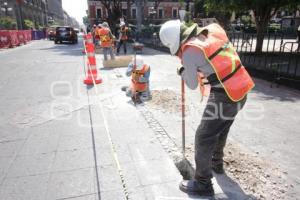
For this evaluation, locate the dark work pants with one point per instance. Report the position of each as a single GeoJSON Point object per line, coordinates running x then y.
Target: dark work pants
{"type": "Point", "coordinates": [122, 42]}
{"type": "Point", "coordinates": [212, 132]}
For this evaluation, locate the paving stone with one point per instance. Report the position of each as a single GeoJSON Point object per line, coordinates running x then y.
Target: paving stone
{"type": "Point", "coordinates": [29, 187]}
{"type": "Point", "coordinates": [157, 171]}
{"type": "Point", "coordinates": [132, 179]}
{"type": "Point", "coordinates": [104, 155]}
{"type": "Point", "coordinates": [10, 148]}
{"type": "Point", "coordinates": [75, 159]}
{"type": "Point", "coordinates": [109, 178]}
{"type": "Point", "coordinates": [40, 143]}
{"type": "Point", "coordinates": [5, 162]}
{"type": "Point", "coordinates": [113, 195]}
{"type": "Point", "coordinates": [74, 142]}
{"type": "Point", "coordinates": [147, 151]}
{"type": "Point", "coordinates": [31, 165]}
{"type": "Point", "coordinates": [71, 183]}
{"type": "Point", "coordinates": [82, 197]}
{"type": "Point", "coordinates": [7, 134]}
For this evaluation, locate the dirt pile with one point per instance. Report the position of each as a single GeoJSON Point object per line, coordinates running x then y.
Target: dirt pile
{"type": "Point", "coordinates": [256, 177]}
{"type": "Point", "coordinates": [259, 177]}
{"type": "Point", "coordinates": [166, 101]}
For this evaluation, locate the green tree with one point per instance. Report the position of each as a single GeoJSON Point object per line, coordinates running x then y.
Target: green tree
{"type": "Point", "coordinates": [263, 11]}
{"type": "Point", "coordinates": [114, 10]}
{"type": "Point", "coordinates": [7, 23]}
{"type": "Point", "coordinates": [28, 24]}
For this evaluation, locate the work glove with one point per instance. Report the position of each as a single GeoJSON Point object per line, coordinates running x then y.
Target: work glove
{"type": "Point", "coordinates": [180, 70]}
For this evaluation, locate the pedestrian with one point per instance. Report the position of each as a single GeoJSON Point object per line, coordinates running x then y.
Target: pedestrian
{"type": "Point", "coordinates": [123, 37]}
{"type": "Point", "coordinates": [207, 51]}
{"type": "Point", "coordinates": [139, 71]}
{"type": "Point", "coordinates": [106, 40]}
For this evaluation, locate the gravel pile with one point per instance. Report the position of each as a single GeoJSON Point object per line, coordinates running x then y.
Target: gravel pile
{"type": "Point", "coordinates": [166, 101]}
{"type": "Point", "coordinates": [258, 177]}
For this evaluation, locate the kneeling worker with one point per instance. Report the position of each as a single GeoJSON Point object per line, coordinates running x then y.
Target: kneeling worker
{"type": "Point", "coordinates": [106, 39]}
{"type": "Point", "coordinates": [140, 73]}
{"type": "Point", "coordinates": [207, 51]}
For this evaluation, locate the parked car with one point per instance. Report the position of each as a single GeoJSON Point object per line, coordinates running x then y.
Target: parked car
{"type": "Point", "coordinates": [65, 34]}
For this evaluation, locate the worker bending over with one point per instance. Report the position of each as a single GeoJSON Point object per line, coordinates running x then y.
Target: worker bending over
{"type": "Point", "coordinates": [140, 73]}
{"type": "Point", "coordinates": [208, 58]}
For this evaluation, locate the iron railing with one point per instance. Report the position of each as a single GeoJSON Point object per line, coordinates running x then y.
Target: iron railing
{"type": "Point", "coordinates": [279, 60]}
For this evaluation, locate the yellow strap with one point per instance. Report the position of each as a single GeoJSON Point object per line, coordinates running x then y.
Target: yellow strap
{"type": "Point", "coordinates": [230, 54]}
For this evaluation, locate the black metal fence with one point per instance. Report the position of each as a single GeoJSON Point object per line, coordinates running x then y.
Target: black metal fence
{"type": "Point", "coordinates": [279, 60]}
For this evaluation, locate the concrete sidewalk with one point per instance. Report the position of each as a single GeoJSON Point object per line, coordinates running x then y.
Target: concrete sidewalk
{"type": "Point", "coordinates": [56, 142]}
{"type": "Point", "coordinates": [60, 139]}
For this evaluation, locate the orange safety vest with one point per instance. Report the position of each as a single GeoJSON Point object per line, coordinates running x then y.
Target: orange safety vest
{"type": "Point", "coordinates": [124, 33]}
{"type": "Point", "coordinates": [225, 62]}
{"type": "Point", "coordinates": [96, 33]}
{"type": "Point", "coordinates": [105, 37]}
{"type": "Point", "coordinates": [135, 77]}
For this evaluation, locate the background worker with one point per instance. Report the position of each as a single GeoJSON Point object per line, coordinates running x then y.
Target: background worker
{"type": "Point", "coordinates": [106, 40]}
{"type": "Point", "coordinates": [207, 51]}
{"type": "Point", "coordinates": [97, 36]}
{"type": "Point", "coordinates": [94, 31]}
{"type": "Point", "coordinates": [123, 37]}
{"type": "Point", "coordinates": [140, 75]}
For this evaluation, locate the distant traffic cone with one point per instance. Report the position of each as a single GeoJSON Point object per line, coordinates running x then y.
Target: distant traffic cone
{"type": "Point", "coordinates": [92, 74]}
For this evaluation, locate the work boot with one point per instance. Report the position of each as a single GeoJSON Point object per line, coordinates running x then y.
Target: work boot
{"type": "Point", "coordinates": [202, 188]}
{"type": "Point", "coordinates": [124, 88]}
{"type": "Point", "coordinates": [218, 168]}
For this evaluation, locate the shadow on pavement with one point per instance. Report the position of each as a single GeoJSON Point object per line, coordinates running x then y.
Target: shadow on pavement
{"type": "Point", "coordinates": [231, 189]}
{"type": "Point", "coordinates": [66, 49]}
{"type": "Point", "coordinates": [282, 93]}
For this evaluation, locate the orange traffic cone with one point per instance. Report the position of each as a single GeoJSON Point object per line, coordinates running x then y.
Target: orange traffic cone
{"type": "Point", "coordinates": [92, 74]}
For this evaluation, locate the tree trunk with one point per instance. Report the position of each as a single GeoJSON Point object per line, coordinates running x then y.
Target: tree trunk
{"type": "Point", "coordinates": [261, 26]}
{"type": "Point", "coordinates": [139, 16]}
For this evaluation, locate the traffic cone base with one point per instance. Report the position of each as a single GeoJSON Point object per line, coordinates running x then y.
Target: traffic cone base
{"type": "Point", "coordinates": [91, 82]}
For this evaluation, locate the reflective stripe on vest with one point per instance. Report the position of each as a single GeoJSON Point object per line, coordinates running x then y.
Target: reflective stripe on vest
{"type": "Point", "coordinates": [93, 67]}
{"type": "Point", "coordinates": [90, 54]}
{"type": "Point", "coordinates": [225, 62]}
{"type": "Point", "coordinates": [89, 41]}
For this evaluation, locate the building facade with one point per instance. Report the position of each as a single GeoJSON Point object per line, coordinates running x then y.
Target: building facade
{"type": "Point", "coordinates": [70, 21]}
{"type": "Point", "coordinates": [153, 11]}
{"type": "Point", "coordinates": [55, 12]}
{"type": "Point", "coordinates": [42, 13]}
{"type": "Point", "coordinates": [33, 10]}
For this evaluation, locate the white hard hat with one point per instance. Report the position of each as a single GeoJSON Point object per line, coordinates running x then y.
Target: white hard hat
{"type": "Point", "coordinates": [122, 23]}
{"type": "Point", "coordinates": [138, 60]}
{"type": "Point", "coordinates": [169, 35]}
